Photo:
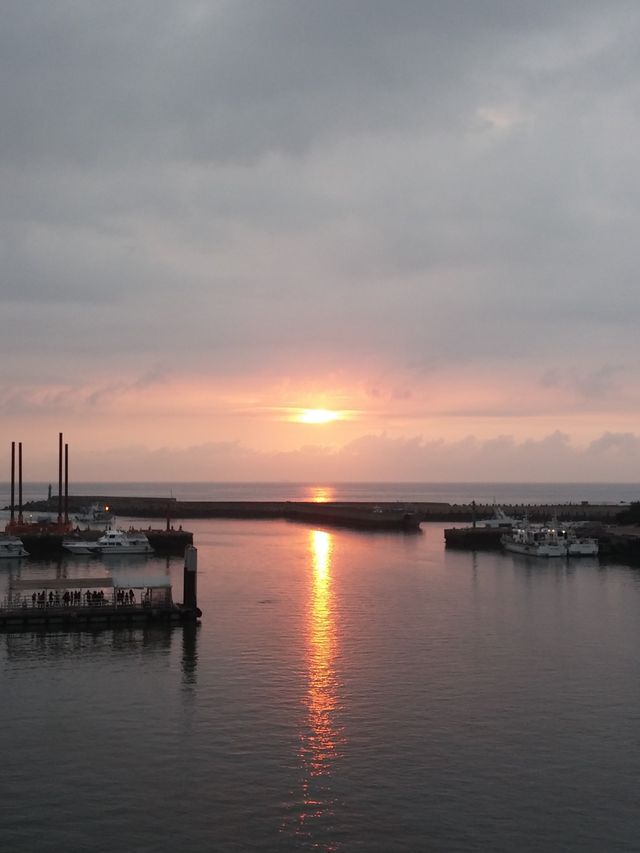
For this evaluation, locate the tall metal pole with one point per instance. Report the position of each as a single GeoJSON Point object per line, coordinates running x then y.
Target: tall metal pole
{"type": "Point", "coordinates": [13, 481]}
{"type": "Point", "coordinates": [66, 484]}
{"type": "Point", "coordinates": [60, 479]}
{"type": "Point", "coordinates": [19, 482]}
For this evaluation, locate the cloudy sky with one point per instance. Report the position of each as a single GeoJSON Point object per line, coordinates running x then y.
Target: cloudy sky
{"type": "Point", "coordinates": [420, 216]}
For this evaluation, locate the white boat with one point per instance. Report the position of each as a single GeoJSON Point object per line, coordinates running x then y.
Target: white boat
{"type": "Point", "coordinates": [11, 546]}
{"type": "Point", "coordinates": [121, 542]}
{"type": "Point", "coordinates": [580, 546]}
{"type": "Point", "coordinates": [97, 515]}
{"type": "Point", "coordinates": [535, 540]}
{"type": "Point", "coordinates": [110, 543]}
{"type": "Point", "coordinates": [501, 519]}
{"type": "Point", "coordinates": [80, 546]}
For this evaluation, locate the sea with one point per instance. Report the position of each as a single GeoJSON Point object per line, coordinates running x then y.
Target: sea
{"type": "Point", "coordinates": [344, 691]}
{"type": "Point", "coordinates": [454, 493]}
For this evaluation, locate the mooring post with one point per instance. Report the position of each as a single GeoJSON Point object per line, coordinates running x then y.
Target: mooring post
{"type": "Point", "coordinates": [190, 586]}
{"type": "Point", "coordinates": [473, 514]}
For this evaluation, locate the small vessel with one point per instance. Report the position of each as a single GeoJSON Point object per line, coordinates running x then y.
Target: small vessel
{"type": "Point", "coordinates": [111, 542]}
{"type": "Point", "coordinates": [535, 540]}
{"type": "Point", "coordinates": [77, 545]}
{"type": "Point", "coordinates": [11, 546]}
{"type": "Point", "coordinates": [97, 515]}
{"type": "Point", "coordinates": [580, 546]}
{"type": "Point", "coordinates": [501, 519]}
{"type": "Point", "coordinates": [122, 542]}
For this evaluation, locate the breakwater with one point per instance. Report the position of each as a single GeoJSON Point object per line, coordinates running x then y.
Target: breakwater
{"type": "Point", "coordinates": [154, 507]}
{"type": "Point", "coordinates": [377, 515]}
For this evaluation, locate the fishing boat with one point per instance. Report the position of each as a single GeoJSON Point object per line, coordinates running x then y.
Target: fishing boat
{"type": "Point", "coordinates": [580, 546]}
{"type": "Point", "coordinates": [12, 547]}
{"type": "Point", "coordinates": [535, 540]}
{"type": "Point", "coordinates": [500, 520]}
{"type": "Point", "coordinates": [96, 516]}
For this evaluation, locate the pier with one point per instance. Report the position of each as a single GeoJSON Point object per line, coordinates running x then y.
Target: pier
{"type": "Point", "coordinates": [41, 542]}
{"type": "Point", "coordinates": [120, 599]}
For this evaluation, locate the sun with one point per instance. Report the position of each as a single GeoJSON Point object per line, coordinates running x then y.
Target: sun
{"type": "Point", "coordinates": [318, 416]}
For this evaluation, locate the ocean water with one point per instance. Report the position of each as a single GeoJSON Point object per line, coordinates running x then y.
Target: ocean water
{"type": "Point", "coordinates": [345, 691]}
{"type": "Point", "coordinates": [454, 493]}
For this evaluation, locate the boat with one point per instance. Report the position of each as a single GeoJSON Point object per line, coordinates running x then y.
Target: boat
{"type": "Point", "coordinates": [580, 546]}
{"type": "Point", "coordinates": [77, 545]}
{"type": "Point", "coordinates": [12, 547]}
{"type": "Point", "coordinates": [501, 520]}
{"type": "Point", "coordinates": [535, 540]}
{"type": "Point", "coordinates": [97, 515]}
{"type": "Point", "coordinates": [111, 542]}
{"type": "Point", "coordinates": [122, 542]}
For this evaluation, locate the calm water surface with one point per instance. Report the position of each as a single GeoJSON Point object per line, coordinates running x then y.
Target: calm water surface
{"type": "Point", "coordinates": [345, 691]}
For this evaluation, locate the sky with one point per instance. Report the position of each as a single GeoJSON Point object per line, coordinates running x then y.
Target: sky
{"type": "Point", "coordinates": [419, 216]}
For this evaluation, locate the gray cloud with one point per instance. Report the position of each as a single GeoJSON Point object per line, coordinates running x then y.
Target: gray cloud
{"type": "Point", "coordinates": [237, 184]}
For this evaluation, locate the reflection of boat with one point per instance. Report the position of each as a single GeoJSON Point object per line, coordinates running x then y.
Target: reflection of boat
{"type": "Point", "coordinates": [11, 546]}
{"type": "Point", "coordinates": [112, 542]}
{"type": "Point", "coordinates": [535, 540]}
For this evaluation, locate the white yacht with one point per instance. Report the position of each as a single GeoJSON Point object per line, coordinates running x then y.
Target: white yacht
{"type": "Point", "coordinates": [111, 542]}
{"type": "Point", "coordinates": [77, 545]}
{"type": "Point", "coordinates": [12, 547]}
{"type": "Point", "coordinates": [122, 542]}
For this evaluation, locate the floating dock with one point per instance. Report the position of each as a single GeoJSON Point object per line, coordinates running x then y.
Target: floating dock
{"type": "Point", "coordinates": [40, 542]}
{"type": "Point", "coordinates": [121, 599]}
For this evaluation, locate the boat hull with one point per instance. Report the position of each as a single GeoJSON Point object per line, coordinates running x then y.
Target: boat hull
{"type": "Point", "coordinates": [12, 548]}
{"type": "Point", "coordinates": [536, 550]}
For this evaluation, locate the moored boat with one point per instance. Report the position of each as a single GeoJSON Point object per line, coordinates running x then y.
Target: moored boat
{"type": "Point", "coordinates": [501, 520]}
{"type": "Point", "coordinates": [77, 545]}
{"type": "Point", "coordinates": [12, 547]}
{"type": "Point", "coordinates": [580, 546]}
{"type": "Point", "coordinates": [535, 540]}
{"type": "Point", "coordinates": [96, 516]}
{"type": "Point", "coordinates": [111, 542]}
{"type": "Point", "coordinates": [550, 540]}
{"type": "Point", "coordinates": [122, 542]}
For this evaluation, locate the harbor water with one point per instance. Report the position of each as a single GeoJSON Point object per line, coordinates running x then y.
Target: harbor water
{"type": "Point", "coordinates": [345, 691]}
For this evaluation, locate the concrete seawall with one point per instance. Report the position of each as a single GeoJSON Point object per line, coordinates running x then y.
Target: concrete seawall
{"type": "Point", "coordinates": [374, 512]}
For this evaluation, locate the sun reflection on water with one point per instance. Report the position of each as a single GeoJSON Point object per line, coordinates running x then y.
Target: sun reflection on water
{"type": "Point", "coordinates": [321, 495]}
{"type": "Point", "coordinates": [322, 739]}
